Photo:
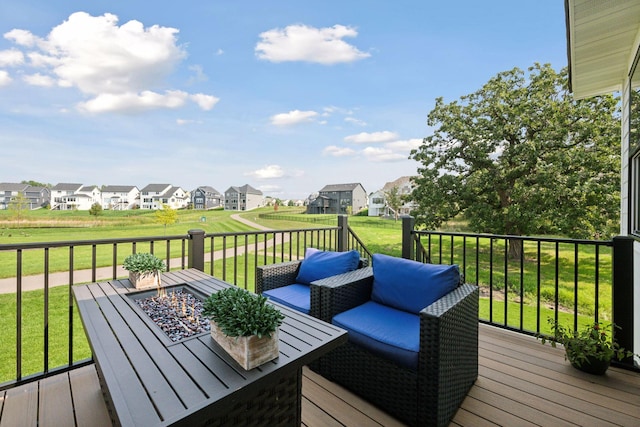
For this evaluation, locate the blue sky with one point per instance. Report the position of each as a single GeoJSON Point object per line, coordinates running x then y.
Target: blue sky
{"type": "Point", "coordinates": [286, 96]}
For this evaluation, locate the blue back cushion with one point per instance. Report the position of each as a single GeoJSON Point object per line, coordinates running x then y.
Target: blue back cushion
{"type": "Point", "coordinates": [410, 285]}
{"type": "Point", "coordinates": [319, 264]}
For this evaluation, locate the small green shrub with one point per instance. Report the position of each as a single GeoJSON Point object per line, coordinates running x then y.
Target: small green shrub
{"type": "Point", "coordinates": [241, 313]}
{"type": "Point", "coordinates": [143, 263]}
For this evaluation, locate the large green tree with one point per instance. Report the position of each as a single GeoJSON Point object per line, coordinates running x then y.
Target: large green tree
{"type": "Point", "coordinates": [521, 156]}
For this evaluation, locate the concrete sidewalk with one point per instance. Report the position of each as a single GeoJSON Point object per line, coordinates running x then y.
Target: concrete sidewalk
{"type": "Point", "coordinates": [30, 283]}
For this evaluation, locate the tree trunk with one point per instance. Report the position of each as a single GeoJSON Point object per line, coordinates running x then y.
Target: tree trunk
{"type": "Point", "coordinates": [515, 248]}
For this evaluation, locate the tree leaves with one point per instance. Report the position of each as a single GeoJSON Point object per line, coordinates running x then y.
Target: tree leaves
{"type": "Point", "coordinates": [521, 156]}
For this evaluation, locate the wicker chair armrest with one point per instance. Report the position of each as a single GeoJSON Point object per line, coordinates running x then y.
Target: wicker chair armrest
{"type": "Point", "coordinates": [448, 361]}
{"type": "Point", "coordinates": [344, 291]}
{"type": "Point", "coordinates": [274, 276]}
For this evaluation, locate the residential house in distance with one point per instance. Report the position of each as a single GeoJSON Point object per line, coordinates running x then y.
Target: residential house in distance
{"type": "Point", "coordinates": [378, 205]}
{"type": "Point", "coordinates": [93, 192]}
{"type": "Point", "coordinates": [154, 196]}
{"type": "Point", "coordinates": [206, 197]}
{"type": "Point", "coordinates": [337, 198]}
{"type": "Point", "coordinates": [37, 197]}
{"type": "Point", "coordinates": [242, 198]}
{"type": "Point", "coordinates": [120, 197]}
{"type": "Point", "coordinates": [61, 196]}
{"type": "Point", "coordinates": [175, 198]}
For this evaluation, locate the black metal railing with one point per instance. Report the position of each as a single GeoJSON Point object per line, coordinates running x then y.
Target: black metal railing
{"type": "Point", "coordinates": [565, 279]}
{"type": "Point", "coordinates": [525, 280]}
{"type": "Point", "coordinates": [40, 276]}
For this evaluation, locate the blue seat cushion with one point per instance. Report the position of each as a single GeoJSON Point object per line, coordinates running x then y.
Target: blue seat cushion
{"type": "Point", "coordinates": [295, 296]}
{"type": "Point", "coordinates": [385, 331]}
{"type": "Point", "coordinates": [319, 264]}
{"type": "Point", "coordinates": [410, 285]}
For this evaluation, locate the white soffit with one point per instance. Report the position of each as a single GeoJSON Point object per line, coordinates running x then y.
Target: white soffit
{"type": "Point", "coordinates": [602, 38]}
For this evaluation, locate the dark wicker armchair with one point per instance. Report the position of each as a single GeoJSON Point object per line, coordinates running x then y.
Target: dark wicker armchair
{"type": "Point", "coordinates": [273, 276]}
{"type": "Point", "coordinates": [447, 362]}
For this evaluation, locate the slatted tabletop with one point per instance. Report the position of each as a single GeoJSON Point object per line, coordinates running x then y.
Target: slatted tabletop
{"type": "Point", "coordinates": [148, 380]}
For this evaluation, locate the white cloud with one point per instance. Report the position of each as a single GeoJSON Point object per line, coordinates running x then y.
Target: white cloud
{"type": "Point", "coordinates": [5, 78]}
{"type": "Point", "coordinates": [355, 121]}
{"type": "Point", "coordinates": [220, 52]}
{"type": "Point", "coordinates": [292, 117]}
{"type": "Point", "coordinates": [134, 103]}
{"type": "Point", "coordinates": [303, 43]}
{"type": "Point", "coordinates": [267, 172]}
{"type": "Point", "coordinates": [206, 102]}
{"type": "Point", "coordinates": [405, 145]}
{"type": "Point", "coordinates": [11, 58]}
{"type": "Point", "coordinates": [199, 76]}
{"type": "Point", "coordinates": [335, 151]}
{"type": "Point", "coordinates": [373, 137]}
{"type": "Point", "coordinates": [21, 37]}
{"type": "Point", "coordinates": [182, 122]}
{"type": "Point", "coordinates": [376, 154]}
{"type": "Point", "coordinates": [39, 80]}
{"type": "Point", "coordinates": [120, 67]}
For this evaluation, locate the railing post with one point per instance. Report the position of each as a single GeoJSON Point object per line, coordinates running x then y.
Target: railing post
{"type": "Point", "coordinates": [196, 249]}
{"type": "Point", "coordinates": [622, 304]}
{"type": "Point", "coordinates": [408, 250]}
{"type": "Point", "coordinates": [343, 233]}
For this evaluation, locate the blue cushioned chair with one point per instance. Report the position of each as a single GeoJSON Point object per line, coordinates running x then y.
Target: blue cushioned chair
{"type": "Point", "coordinates": [289, 283]}
{"type": "Point", "coordinates": [413, 338]}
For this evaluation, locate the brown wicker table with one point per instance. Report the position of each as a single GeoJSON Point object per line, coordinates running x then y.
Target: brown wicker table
{"type": "Point", "coordinates": [148, 380]}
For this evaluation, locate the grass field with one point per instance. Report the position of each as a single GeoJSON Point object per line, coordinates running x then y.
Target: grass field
{"type": "Point", "coordinates": [379, 236]}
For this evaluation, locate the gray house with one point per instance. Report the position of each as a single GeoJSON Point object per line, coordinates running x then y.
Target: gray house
{"type": "Point", "coordinates": [206, 197]}
{"type": "Point", "coordinates": [242, 198]}
{"type": "Point", "coordinates": [37, 196]}
{"type": "Point", "coordinates": [337, 198]}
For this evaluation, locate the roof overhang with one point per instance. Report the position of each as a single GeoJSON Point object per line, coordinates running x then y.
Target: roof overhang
{"type": "Point", "coordinates": [602, 39]}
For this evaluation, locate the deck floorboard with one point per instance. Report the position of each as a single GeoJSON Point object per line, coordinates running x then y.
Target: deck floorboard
{"type": "Point", "coordinates": [521, 382]}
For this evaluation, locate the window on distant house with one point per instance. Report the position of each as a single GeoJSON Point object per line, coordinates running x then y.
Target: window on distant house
{"type": "Point", "coordinates": [634, 149]}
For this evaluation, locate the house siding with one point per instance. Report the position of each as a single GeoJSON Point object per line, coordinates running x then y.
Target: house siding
{"type": "Point", "coordinates": [335, 199]}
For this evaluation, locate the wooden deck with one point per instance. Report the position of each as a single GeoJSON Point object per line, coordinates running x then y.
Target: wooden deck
{"type": "Point", "coordinates": [521, 383]}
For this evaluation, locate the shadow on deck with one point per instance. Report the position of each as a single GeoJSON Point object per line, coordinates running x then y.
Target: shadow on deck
{"type": "Point", "coordinates": [521, 383]}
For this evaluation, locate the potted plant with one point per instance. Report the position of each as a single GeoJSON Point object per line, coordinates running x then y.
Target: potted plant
{"type": "Point", "coordinates": [589, 349]}
{"type": "Point", "coordinates": [244, 325]}
{"type": "Point", "coordinates": [144, 269]}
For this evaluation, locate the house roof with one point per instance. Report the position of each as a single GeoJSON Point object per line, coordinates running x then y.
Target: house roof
{"type": "Point", "coordinates": [10, 186]}
{"type": "Point", "coordinates": [602, 38]}
{"type": "Point", "coordinates": [245, 189]}
{"type": "Point", "coordinates": [88, 188]}
{"type": "Point", "coordinates": [340, 187]}
{"type": "Point", "coordinates": [118, 188]}
{"type": "Point", "coordinates": [64, 186]}
{"type": "Point", "coordinates": [208, 189]}
{"type": "Point", "coordinates": [156, 188]}
{"type": "Point", "coordinates": [403, 180]}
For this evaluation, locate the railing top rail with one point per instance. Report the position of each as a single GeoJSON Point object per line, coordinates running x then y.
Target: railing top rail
{"type": "Point", "coordinates": [514, 237]}
{"type": "Point", "coordinates": [259, 232]}
{"type": "Point", "coordinates": [66, 243]}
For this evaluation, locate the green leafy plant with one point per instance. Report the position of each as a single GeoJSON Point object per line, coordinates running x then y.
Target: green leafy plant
{"type": "Point", "coordinates": [143, 263]}
{"type": "Point", "coordinates": [593, 341]}
{"type": "Point", "coordinates": [241, 313]}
